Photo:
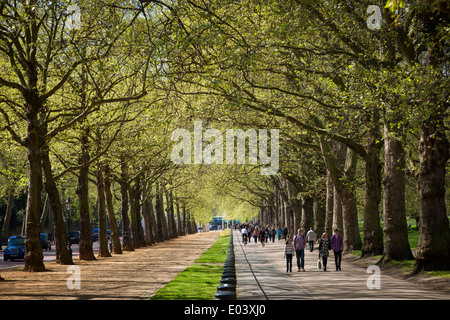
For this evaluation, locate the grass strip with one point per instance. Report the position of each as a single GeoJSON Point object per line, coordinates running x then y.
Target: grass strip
{"type": "Point", "coordinates": [200, 280]}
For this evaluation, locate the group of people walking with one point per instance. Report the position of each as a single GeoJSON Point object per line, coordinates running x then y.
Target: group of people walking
{"type": "Point", "coordinates": [297, 245]}
{"type": "Point", "coordinates": [262, 234]}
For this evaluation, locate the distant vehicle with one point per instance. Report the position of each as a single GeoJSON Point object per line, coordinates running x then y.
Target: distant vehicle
{"type": "Point", "coordinates": [46, 244]}
{"type": "Point", "coordinates": [15, 248]}
{"type": "Point", "coordinates": [94, 234]}
{"type": "Point", "coordinates": [74, 237]}
{"type": "Point", "coordinates": [213, 227]}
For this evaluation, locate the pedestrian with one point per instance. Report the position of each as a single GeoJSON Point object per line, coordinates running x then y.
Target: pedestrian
{"type": "Point", "coordinates": [279, 233]}
{"type": "Point", "coordinates": [299, 244]}
{"type": "Point", "coordinates": [255, 235]}
{"type": "Point", "coordinates": [311, 238]}
{"type": "Point", "coordinates": [273, 232]}
{"type": "Point", "coordinates": [244, 235]}
{"type": "Point", "coordinates": [285, 232]}
{"type": "Point", "coordinates": [337, 244]}
{"type": "Point", "coordinates": [324, 247]}
{"type": "Point", "coordinates": [262, 237]}
{"type": "Point", "coordinates": [267, 233]}
{"type": "Point", "coordinates": [288, 254]}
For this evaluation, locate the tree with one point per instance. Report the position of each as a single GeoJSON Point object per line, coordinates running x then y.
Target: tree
{"type": "Point", "coordinates": [36, 43]}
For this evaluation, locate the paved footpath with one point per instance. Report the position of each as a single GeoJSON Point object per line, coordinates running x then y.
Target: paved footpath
{"type": "Point", "coordinates": [261, 275]}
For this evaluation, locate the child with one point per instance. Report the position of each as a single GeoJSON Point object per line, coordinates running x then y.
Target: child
{"type": "Point", "coordinates": [289, 251]}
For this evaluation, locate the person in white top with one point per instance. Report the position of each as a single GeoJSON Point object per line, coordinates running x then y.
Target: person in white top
{"type": "Point", "coordinates": [311, 238]}
{"type": "Point", "coordinates": [244, 233]}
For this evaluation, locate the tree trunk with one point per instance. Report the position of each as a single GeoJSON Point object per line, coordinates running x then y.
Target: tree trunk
{"type": "Point", "coordinates": [395, 227]}
{"type": "Point", "coordinates": [184, 220]}
{"type": "Point", "coordinates": [180, 226]}
{"type": "Point", "coordinates": [191, 224]}
{"type": "Point", "coordinates": [345, 187]}
{"type": "Point", "coordinates": [433, 250]}
{"type": "Point", "coordinates": [148, 226]}
{"type": "Point", "coordinates": [45, 211]}
{"type": "Point", "coordinates": [172, 215]}
{"type": "Point", "coordinates": [127, 244]}
{"type": "Point", "coordinates": [352, 238]}
{"type": "Point", "coordinates": [145, 214]}
{"type": "Point", "coordinates": [116, 246]}
{"type": "Point", "coordinates": [307, 213]}
{"type": "Point", "coordinates": [160, 216]}
{"type": "Point", "coordinates": [63, 255]}
{"type": "Point", "coordinates": [153, 222]}
{"type": "Point", "coordinates": [85, 247]}
{"type": "Point", "coordinates": [372, 233]}
{"type": "Point", "coordinates": [102, 236]}
{"type": "Point", "coordinates": [137, 204]}
{"type": "Point", "coordinates": [8, 214]}
{"type": "Point", "coordinates": [319, 215]}
{"type": "Point", "coordinates": [133, 216]}
{"type": "Point", "coordinates": [337, 213]}
{"type": "Point", "coordinates": [169, 215]}
{"type": "Point", "coordinates": [329, 205]}
{"type": "Point", "coordinates": [33, 249]}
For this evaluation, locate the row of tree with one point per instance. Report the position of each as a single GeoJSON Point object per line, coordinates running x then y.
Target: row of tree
{"type": "Point", "coordinates": [338, 90]}
{"type": "Point", "coordinates": [98, 103]}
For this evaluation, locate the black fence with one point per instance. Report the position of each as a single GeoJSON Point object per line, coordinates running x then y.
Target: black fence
{"type": "Point", "coordinates": [227, 288]}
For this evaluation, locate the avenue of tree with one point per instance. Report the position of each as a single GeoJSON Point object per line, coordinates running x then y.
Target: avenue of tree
{"type": "Point", "coordinates": [88, 110]}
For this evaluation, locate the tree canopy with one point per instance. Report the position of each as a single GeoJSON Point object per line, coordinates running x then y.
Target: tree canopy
{"type": "Point", "coordinates": [349, 101]}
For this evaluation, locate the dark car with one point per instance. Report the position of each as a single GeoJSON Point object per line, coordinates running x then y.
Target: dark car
{"type": "Point", "coordinates": [95, 234]}
{"type": "Point", "coordinates": [15, 249]}
{"type": "Point", "coordinates": [74, 237]}
{"type": "Point", "coordinates": [46, 244]}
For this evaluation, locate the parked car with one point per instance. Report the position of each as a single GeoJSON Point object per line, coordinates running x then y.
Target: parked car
{"type": "Point", "coordinates": [94, 234]}
{"type": "Point", "coordinates": [74, 237]}
{"type": "Point", "coordinates": [46, 244]}
{"type": "Point", "coordinates": [15, 248]}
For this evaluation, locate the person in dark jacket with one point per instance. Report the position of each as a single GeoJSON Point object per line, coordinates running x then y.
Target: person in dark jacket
{"type": "Point", "coordinates": [262, 237]}
{"type": "Point", "coordinates": [324, 247]}
{"type": "Point", "coordinates": [285, 232]}
{"type": "Point", "coordinates": [337, 244]}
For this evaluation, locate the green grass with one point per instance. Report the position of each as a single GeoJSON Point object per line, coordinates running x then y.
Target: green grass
{"type": "Point", "coordinates": [405, 267]}
{"type": "Point", "coordinates": [197, 282]}
{"type": "Point", "coordinates": [200, 280]}
{"type": "Point", "coordinates": [413, 234]}
{"type": "Point", "coordinates": [218, 251]}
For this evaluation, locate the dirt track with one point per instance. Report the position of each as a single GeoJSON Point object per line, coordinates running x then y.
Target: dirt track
{"type": "Point", "coordinates": [132, 275]}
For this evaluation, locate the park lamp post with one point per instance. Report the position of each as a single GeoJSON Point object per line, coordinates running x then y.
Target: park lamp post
{"type": "Point", "coordinates": [69, 209]}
